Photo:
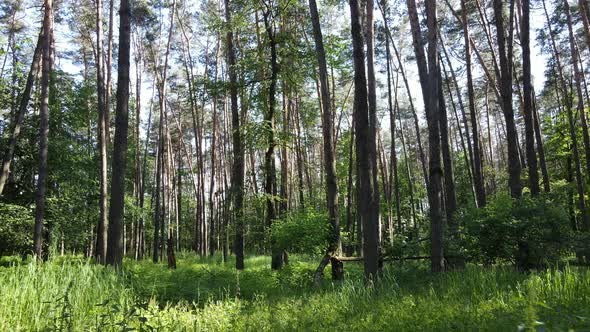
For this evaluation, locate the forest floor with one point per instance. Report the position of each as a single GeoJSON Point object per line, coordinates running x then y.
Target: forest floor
{"type": "Point", "coordinates": [204, 294]}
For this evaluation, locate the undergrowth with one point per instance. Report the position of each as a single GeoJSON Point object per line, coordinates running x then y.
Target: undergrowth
{"type": "Point", "coordinates": [205, 294]}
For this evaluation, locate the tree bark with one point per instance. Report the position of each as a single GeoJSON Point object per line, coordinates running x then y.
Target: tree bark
{"type": "Point", "coordinates": [449, 180]}
{"type": "Point", "coordinates": [393, 174]}
{"type": "Point", "coordinates": [505, 79]}
{"type": "Point", "coordinates": [365, 188]}
{"type": "Point", "coordinates": [212, 228]}
{"type": "Point", "coordinates": [528, 110]}
{"type": "Point", "coordinates": [540, 146]}
{"type": "Point", "coordinates": [237, 174]}
{"type": "Point", "coordinates": [20, 114]}
{"type": "Point", "coordinates": [480, 193]}
{"type": "Point", "coordinates": [429, 81]}
{"type": "Point", "coordinates": [119, 164]}
{"type": "Point", "coordinates": [580, 99]}
{"type": "Point", "coordinates": [102, 231]}
{"type": "Point", "coordinates": [327, 129]}
{"type": "Point", "coordinates": [373, 230]}
{"type": "Point", "coordinates": [109, 70]}
{"type": "Point", "coordinates": [46, 72]}
{"type": "Point", "coordinates": [269, 167]}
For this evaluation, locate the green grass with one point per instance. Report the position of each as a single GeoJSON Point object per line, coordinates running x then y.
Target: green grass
{"type": "Point", "coordinates": [208, 295]}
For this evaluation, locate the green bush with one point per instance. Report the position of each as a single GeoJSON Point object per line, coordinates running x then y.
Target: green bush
{"type": "Point", "coordinates": [16, 229]}
{"type": "Point", "coordinates": [528, 232]}
{"type": "Point", "coordinates": [301, 232]}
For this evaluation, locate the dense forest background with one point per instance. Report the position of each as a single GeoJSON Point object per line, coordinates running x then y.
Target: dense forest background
{"type": "Point", "coordinates": [184, 164]}
{"type": "Point", "coordinates": [448, 131]}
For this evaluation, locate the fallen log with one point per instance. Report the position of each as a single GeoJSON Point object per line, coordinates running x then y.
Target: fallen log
{"type": "Point", "coordinates": [385, 259]}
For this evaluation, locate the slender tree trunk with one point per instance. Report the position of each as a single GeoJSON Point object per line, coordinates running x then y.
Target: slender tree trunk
{"type": "Point", "coordinates": [46, 72]}
{"type": "Point", "coordinates": [480, 193]}
{"type": "Point", "coordinates": [269, 169]}
{"type": "Point", "coordinates": [429, 80]}
{"type": "Point", "coordinates": [373, 230]}
{"type": "Point", "coordinates": [365, 179]}
{"type": "Point", "coordinates": [393, 175]}
{"type": "Point", "coordinates": [138, 166]}
{"type": "Point", "coordinates": [212, 228]}
{"type": "Point", "coordinates": [449, 180]}
{"type": "Point", "coordinates": [300, 166]}
{"type": "Point", "coordinates": [580, 101]}
{"type": "Point", "coordinates": [528, 102]}
{"type": "Point", "coordinates": [158, 180]}
{"type": "Point", "coordinates": [505, 79]}
{"type": "Point", "coordinates": [197, 134]}
{"type": "Point", "coordinates": [102, 232]}
{"type": "Point", "coordinates": [116, 212]}
{"type": "Point", "coordinates": [237, 174]}
{"type": "Point", "coordinates": [284, 203]}
{"type": "Point", "coordinates": [349, 191]}
{"type": "Point", "coordinates": [540, 146]}
{"type": "Point", "coordinates": [109, 67]}
{"type": "Point", "coordinates": [20, 114]}
{"type": "Point", "coordinates": [329, 157]}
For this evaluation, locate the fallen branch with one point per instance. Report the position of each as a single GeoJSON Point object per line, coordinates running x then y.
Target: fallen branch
{"type": "Point", "coordinates": [358, 259]}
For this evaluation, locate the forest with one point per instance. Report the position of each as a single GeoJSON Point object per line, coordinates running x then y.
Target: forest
{"type": "Point", "coordinates": [291, 165]}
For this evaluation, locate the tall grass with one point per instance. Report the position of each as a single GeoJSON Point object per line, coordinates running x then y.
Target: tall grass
{"type": "Point", "coordinates": [207, 295]}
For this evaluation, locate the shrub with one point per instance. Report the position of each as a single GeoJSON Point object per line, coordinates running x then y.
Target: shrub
{"type": "Point", "coordinates": [301, 232]}
{"type": "Point", "coordinates": [529, 232]}
{"type": "Point", "coordinates": [16, 229]}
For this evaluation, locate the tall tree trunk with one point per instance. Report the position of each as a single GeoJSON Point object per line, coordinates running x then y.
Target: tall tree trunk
{"type": "Point", "coordinates": [373, 230]}
{"type": "Point", "coordinates": [212, 228]}
{"type": "Point", "coordinates": [116, 211]}
{"type": "Point", "coordinates": [299, 157]}
{"type": "Point", "coordinates": [349, 191]}
{"type": "Point", "coordinates": [580, 99]}
{"type": "Point", "coordinates": [237, 174]}
{"type": "Point", "coordinates": [46, 72]}
{"type": "Point", "coordinates": [429, 81]}
{"type": "Point", "coordinates": [109, 70]}
{"type": "Point", "coordinates": [196, 132]}
{"type": "Point", "coordinates": [393, 174]}
{"type": "Point", "coordinates": [20, 114]}
{"type": "Point", "coordinates": [269, 119]}
{"type": "Point", "coordinates": [284, 202]}
{"type": "Point", "coordinates": [102, 232]}
{"type": "Point", "coordinates": [365, 177]}
{"type": "Point", "coordinates": [540, 146]}
{"type": "Point", "coordinates": [505, 79]}
{"type": "Point", "coordinates": [329, 157]}
{"type": "Point", "coordinates": [158, 214]}
{"type": "Point", "coordinates": [528, 101]}
{"type": "Point", "coordinates": [449, 180]}
{"type": "Point", "coordinates": [480, 193]}
{"type": "Point", "coordinates": [138, 167]}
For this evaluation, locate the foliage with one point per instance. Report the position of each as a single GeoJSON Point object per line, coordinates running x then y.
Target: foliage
{"type": "Point", "coordinates": [16, 229]}
{"type": "Point", "coordinates": [304, 232]}
{"type": "Point", "coordinates": [529, 232]}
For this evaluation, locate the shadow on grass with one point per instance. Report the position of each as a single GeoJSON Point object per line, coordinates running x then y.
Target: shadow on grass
{"type": "Point", "coordinates": [202, 280]}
